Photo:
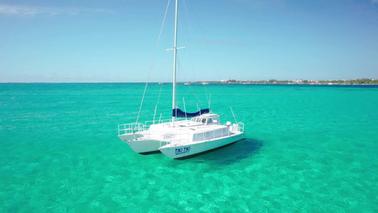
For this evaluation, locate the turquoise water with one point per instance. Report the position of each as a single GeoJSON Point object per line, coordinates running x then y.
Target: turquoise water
{"type": "Point", "coordinates": [308, 149]}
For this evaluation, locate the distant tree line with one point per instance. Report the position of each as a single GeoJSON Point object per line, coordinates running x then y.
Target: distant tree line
{"type": "Point", "coordinates": [362, 81]}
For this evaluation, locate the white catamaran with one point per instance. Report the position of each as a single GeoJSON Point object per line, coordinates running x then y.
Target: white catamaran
{"type": "Point", "coordinates": [181, 138]}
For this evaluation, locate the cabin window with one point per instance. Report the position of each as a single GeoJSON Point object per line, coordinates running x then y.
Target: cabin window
{"type": "Point", "coordinates": [196, 119]}
{"type": "Point", "coordinates": [204, 120]}
{"type": "Point", "coordinates": [210, 120]}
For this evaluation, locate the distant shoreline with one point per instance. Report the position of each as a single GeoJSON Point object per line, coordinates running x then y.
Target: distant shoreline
{"type": "Point", "coordinates": [355, 82]}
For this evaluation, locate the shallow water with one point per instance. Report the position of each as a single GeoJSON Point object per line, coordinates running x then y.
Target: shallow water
{"type": "Point", "coordinates": [307, 149]}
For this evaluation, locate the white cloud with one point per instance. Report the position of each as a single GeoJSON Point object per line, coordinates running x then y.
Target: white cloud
{"type": "Point", "coordinates": [26, 10]}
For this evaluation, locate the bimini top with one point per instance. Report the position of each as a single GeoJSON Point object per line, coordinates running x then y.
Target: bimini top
{"type": "Point", "coordinates": [178, 113]}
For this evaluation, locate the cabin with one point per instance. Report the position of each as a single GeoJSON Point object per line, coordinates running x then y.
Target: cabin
{"type": "Point", "coordinates": [207, 119]}
{"type": "Point", "coordinates": [211, 130]}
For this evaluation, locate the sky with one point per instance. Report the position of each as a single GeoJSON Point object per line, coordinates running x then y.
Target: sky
{"type": "Point", "coordinates": [127, 40]}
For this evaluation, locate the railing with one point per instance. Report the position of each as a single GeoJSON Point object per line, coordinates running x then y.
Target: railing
{"type": "Point", "coordinates": [238, 127]}
{"type": "Point", "coordinates": [131, 128]}
{"type": "Point", "coordinates": [149, 123]}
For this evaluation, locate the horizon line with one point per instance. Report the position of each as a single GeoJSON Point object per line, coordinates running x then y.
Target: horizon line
{"type": "Point", "coordinates": [197, 81]}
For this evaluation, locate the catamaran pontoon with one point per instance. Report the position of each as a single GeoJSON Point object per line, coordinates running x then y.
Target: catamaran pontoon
{"type": "Point", "coordinates": [199, 132]}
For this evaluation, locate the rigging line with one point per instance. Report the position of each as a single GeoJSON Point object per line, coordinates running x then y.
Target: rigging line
{"type": "Point", "coordinates": [201, 37]}
{"type": "Point", "coordinates": [190, 29]}
{"type": "Point", "coordinates": [158, 39]}
{"type": "Point", "coordinates": [192, 91]}
{"type": "Point", "coordinates": [162, 25]}
{"type": "Point", "coordinates": [209, 103]}
{"type": "Point", "coordinates": [153, 63]}
{"type": "Point", "coordinates": [186, 27]}
{"type": "Point", "coordinates": [194, 24]}
{"type": "Point", "coordinates": [179, 69]}
{"type": "Point", "coordinates": [163, 22]}
{"type": "Point", "coordinates": [141, 102]}
{"type": "Point", "coordinates": [186, 116]}
{"type": "Point", "coordinates": [186, 18]}
{"type": "Point", "coordinates": [206, 93]}
{"type": "Point", "coordinates": [233, 114]}
{"type": "Point", "coordinates": [156, 106]}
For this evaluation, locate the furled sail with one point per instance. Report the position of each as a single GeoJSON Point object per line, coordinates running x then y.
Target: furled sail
{"type": "Point", "coordinates": [178, 113]}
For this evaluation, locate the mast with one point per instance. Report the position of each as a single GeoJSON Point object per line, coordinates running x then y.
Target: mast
{"type": "Point", "coordinates": [174, 61]}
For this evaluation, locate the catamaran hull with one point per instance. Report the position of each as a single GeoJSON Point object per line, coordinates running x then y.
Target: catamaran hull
{"type": "Point", "coordinates": [187, 150]}
{"type": "Point", "coordinates": [144, 146]}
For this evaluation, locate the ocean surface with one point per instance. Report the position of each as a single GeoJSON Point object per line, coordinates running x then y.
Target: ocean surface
{"type": "Point", "coordinates": [308, 149]}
